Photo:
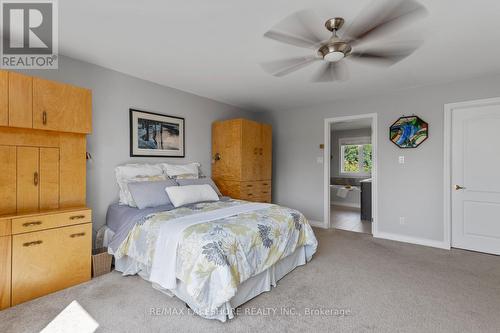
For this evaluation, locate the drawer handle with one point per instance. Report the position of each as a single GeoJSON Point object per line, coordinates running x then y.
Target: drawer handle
{"type": "Point", "coordinates": [249, 194]}
{"type": "Point", "coordinates": [249, 185]}
{"type": "Point", "coordinates": [35, 178]}
{"type": "Point", "coordinates": [265, 184]}
{"type": "Point", "coordinates": [79, 234]}
{"type": "Point", "coordinates": [38, 242]}
{"type": "Point", "coordinates": [77, 217]}
{"type": "Point", "coordinates": [30, 224]}
{"type": "Point", "coordinates": [265, 192]}
{"type": "Point", "coordinates": [44, 117]}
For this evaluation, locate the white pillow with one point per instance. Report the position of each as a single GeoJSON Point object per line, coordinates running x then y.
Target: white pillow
{"type": "Point", "coordinates": [134, 172]}
{"type": "Point", "coordinates": [183, 195]}
{"type": "Point", "coordinates": [181, 171]}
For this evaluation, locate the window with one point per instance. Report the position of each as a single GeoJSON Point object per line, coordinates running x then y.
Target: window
{"type": "Point", "coordinates": [355, 156]}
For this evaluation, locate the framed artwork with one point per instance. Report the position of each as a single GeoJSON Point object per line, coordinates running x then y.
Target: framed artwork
{"type": "Point", "coordinates": [409, 132]}
{"type": "Point", "coordinates": [156, 135]}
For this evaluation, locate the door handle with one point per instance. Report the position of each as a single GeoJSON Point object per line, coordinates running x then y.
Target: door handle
{"type": "Point", "coordinates": [35, 178]}
{"type": "Point", "coordinates": [44, 117]}
{"type": "Point", "coordinates": [458, 188]}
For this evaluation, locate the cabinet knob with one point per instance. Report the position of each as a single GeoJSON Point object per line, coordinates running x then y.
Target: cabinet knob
{"type": "Point", "coordinates": [260, 151]}
{"type": "Point", "coordinates": [44, 117]}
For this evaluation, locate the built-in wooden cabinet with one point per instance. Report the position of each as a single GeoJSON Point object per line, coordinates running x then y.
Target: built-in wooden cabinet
{"type": "Point", "coordinates": [31, 102]}
{"type": "Point", "coordinates": [4, 98]}
{"type": "Point", "coordinates": [5, 268]}
{"type": "Point", "coordinates": [45, 230]}
{"type": "Point", "coordinates": [242, 155]}
{"type": "Point", "coordinates": [8, 183]}
{"type": "Point", "coordinates": [20, 100]}
{"type": "Point", "coordinates": [61, 107]}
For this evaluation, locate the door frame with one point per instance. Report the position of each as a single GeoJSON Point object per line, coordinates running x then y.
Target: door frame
{"type": "Point", "coordinates": [447, 183]}
{"type": "Point", "coordinates": [326, 164]}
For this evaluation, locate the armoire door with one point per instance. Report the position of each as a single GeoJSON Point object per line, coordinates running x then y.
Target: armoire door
{"type": "Point", "coordinates": [28, 179]}
{"type": "Point", "coordinates": [251, 151]}
{"type": "Point", "coordinates": [7, 180]}
{"type": "Point", "coordinates": [226, 149]}
{"type": "Point", "coordinates": [61, 107]}
{"type": "Point", "coordinates": [267, 152]}
{"type": "Point", "coordinates": [49, 178]}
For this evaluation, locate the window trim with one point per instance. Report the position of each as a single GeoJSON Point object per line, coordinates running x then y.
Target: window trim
{"type": "Point", "coordinates": [358, 141]}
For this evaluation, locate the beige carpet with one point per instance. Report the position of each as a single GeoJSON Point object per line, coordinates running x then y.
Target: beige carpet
{"type": "Point", "coordinates": [383, 286]}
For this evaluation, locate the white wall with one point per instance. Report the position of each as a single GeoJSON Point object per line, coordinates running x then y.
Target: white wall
{"type": "Point", "coordinates": [113, 94]}
{"type": "Point", "coordinates": [413, 190]}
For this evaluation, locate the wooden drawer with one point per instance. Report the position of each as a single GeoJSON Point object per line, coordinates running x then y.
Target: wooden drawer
{"type": "Point", "coordinates": [48, 221]}
{"type": "Point", "coordinates": [50, 260]}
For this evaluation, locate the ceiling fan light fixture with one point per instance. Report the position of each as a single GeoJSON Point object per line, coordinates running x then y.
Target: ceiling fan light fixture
{"type": "Point", "coordinates": [334, 52]}
{"type": "Point", "coordinates": [334, 56]}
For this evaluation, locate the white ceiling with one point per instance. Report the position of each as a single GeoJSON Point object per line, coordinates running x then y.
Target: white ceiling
{"type": "Point", "coordinates": [213, 48]}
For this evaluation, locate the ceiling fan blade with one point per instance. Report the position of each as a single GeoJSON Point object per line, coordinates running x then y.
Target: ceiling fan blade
{"type": "Point", "coordinates": [283, 67]}
{"type": "Point", "coordinates": [299, 29]}
{"type": "Point", "coordinates": [289, 39]}
{"type": "Point", "coordinates": [384, 56]}
{"type": "Point", "coordinates": [387, 16]}
{"type": "Point", "coordinates": [332, 71]}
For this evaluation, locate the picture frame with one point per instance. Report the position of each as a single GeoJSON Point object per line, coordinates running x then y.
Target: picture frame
{"type": "Point", "coordinates": [409, 132]}
{"type": "Point", "coordinates": [156, 135]}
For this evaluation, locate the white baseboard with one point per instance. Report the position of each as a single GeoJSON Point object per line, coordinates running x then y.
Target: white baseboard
{"type": "Point", "coordinates": [317, 224]}
{"type": "Point", "coordinates": [412, 240]}
{"type": "Point", "coordinates": [346, 204]}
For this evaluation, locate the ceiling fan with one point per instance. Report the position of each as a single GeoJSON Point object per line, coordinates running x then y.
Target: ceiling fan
{"type": "Point", "coordinates": [374, 21]}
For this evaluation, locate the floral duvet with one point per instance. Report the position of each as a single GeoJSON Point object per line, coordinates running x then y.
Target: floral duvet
{"type": "Point", "coordinates": [214, 257]}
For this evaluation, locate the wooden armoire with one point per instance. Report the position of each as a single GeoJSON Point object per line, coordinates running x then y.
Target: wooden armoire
{"type": "Point", "coordinates": [242, 159]}
{"type": "Point", "coordinates": [45, 228]}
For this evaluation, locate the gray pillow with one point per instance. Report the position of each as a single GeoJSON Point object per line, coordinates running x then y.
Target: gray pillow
{"type": "Point", "coordinates": [199, 181]}
{"type": "Point", "coordinates": [150, 193]}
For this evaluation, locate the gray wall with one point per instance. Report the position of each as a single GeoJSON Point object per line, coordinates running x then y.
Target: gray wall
{"type": "Point", "coordinates": [113, 94]}
{"type": "Point", "coordinates": [413, 190]}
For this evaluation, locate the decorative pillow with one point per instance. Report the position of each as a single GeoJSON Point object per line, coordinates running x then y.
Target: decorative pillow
{"type": "Point", "coordinates": [199, 181]}
{"type": "Point", "coordinates": [125, 192]}
{"type": "Point", "coordinates": [150, 193]}
{"type": "Point", "coordinates": [183, 195]}
{"type": "Point", "coordinates": [125, 173]}
{"type": "Point", "coordinates": [181, 171]}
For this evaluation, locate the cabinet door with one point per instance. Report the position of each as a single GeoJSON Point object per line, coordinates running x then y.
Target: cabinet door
{"type": "Point", "coordinates": [266, 153]}
{"type": "Point", "coordinates": [251, 145]}
{"type": "Point", "coordinates": [73, 170]}
{"type": "Point", "coordinates": [50, 260]}
{"type": "Point", "coordinates": [28, 179]}
{"type": "Point", "coordinates": [226, 143]}
{"type": "Point", "coordinates": [7, 179]}
{"type": "Point", "coordinates": [61, 107]}
{"type": "Point", "coordinates": [20, 100]}
{"type": "Point", "coordinates": [4, 98]}
{"type": "Point", "coordinates": [49, 178]}
{"type": "Point", "coordinates": [5, 267]}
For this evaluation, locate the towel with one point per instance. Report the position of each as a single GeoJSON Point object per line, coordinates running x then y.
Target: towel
{"type": "Point", "coordinates": [342, 192]}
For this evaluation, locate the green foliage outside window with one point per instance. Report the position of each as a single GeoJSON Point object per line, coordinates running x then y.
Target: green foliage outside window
{"type": "Point", "coordinates": [353, 155]}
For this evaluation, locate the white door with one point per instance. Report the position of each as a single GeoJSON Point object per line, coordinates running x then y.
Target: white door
{"type": "Point", "coordinates": [476, 178]}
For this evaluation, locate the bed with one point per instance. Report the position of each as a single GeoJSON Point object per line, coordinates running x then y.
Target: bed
{"type": "Point", "coordinates": [219, 255]}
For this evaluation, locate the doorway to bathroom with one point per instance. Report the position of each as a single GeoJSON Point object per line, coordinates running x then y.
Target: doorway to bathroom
{"type": "Point", "coordinates": [350, 173]}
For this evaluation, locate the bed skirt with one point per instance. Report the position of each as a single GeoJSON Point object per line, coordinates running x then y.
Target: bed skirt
{"type": "Point", "coordinates": [247, 290]}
